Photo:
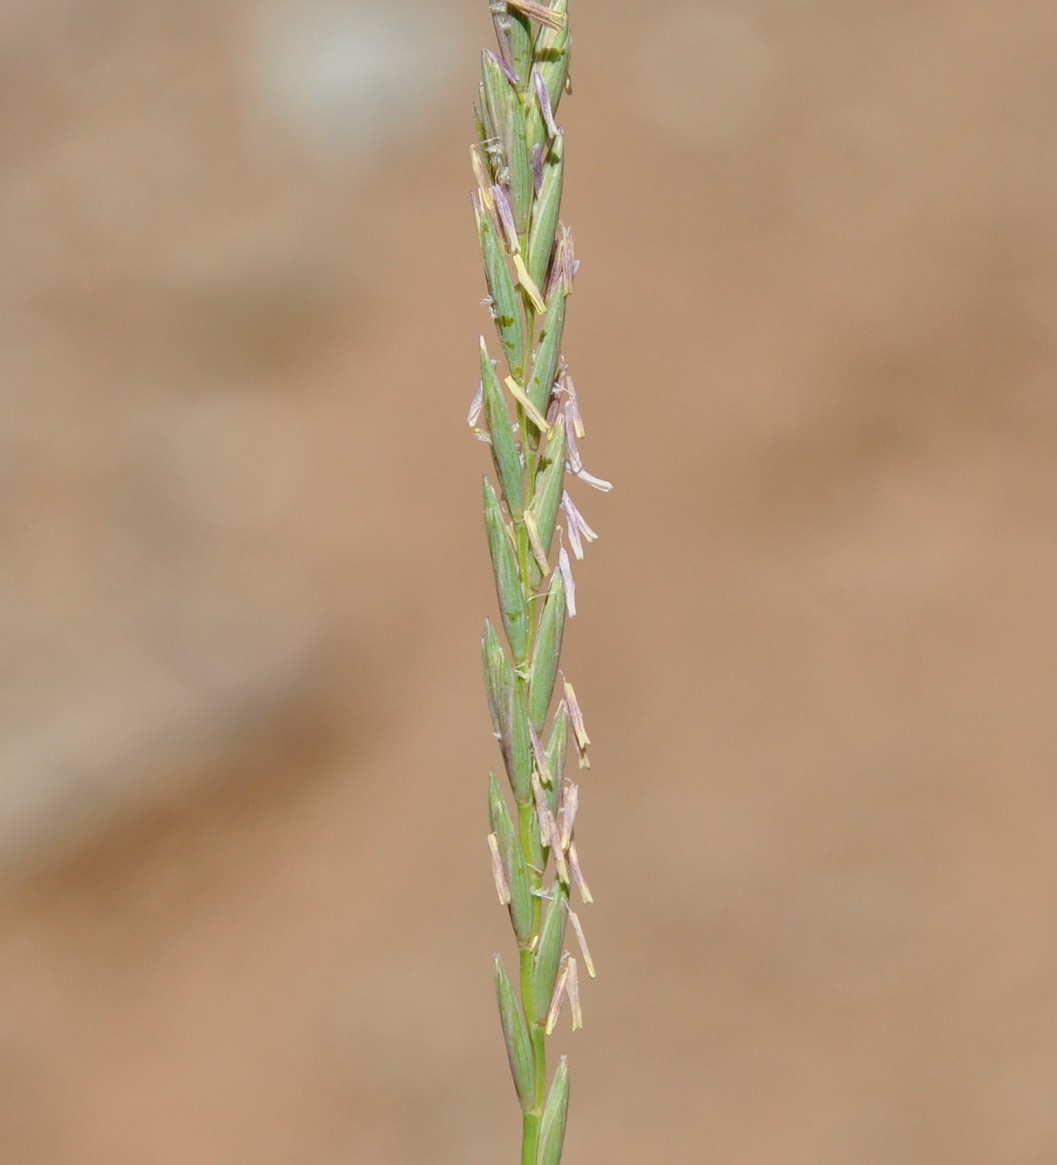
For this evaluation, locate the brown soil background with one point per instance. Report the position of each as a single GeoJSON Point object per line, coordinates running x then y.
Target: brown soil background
{"type": "Point", "coordinates": [247, 915]}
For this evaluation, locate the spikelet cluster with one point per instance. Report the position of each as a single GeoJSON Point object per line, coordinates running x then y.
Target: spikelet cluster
{"type": "Point", "coordinates": [526, 410]}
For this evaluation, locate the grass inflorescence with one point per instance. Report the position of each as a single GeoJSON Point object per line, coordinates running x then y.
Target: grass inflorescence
{"type": "Point", "coordinates": [526, 409]}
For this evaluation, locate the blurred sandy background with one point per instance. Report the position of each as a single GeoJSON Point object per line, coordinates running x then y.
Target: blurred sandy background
{"type": "Point", "coordinates": [246, 911]}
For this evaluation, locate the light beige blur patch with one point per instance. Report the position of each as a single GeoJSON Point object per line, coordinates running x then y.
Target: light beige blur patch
{"type": "Point", "coordinates": [704, 75]}
{"type": "Point", "coordinates": [240, 460]}
{"type": "Point", "coordinates": [349, 78]}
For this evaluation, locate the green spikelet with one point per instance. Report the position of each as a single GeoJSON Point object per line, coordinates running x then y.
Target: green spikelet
{"type": "Point", "coordinates": [528, 413]}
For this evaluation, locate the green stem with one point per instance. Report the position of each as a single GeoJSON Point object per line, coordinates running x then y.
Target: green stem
{"type": "Point", "coordinates": [530, 1128]}
{"type": "Point", "coordinates": [530, 1137]}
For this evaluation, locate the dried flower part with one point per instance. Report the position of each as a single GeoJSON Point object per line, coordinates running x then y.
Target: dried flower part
{"type": "Point", "coordinates": [597, 482]}
{"type": "Point", "coordinates": [565, 566]}
{"type": "Point", "coordinates": [578, 877]}
{"type": "Point", "coordinates": [528, 284]}
{"type": "Point", "coordinates": [558, 998]}
{"type": "Point", "coordinates": [502, 889]}
{"type": "Point", "coordinates": [588, 961]}
{"type": "Point", "coordinates": [544, 815]}
{"type": "Point", "coordinates": [539, 755]}
{"type": "Point", "coordinates": [572, 405]}
{"type": "Point", "coordinates": [577, 528]}
{"type": "Point", "coordinates": [549, 834]}
{"type": "Point", "coordinates": [573, 532]}
{"type": "Point", "coordinates": [475, 407]}
{"type": "Point", "coordinates": [533, 414]}
{"type": "Point", "coordinates": [572, 989]}
{"type": "Point", "coordinates": [572, 455]}
{"type": "Point", "coordinates": [570, 265]}
{"type": "Point", "coordinates": [567, 987]}
{"type": "Point", "coordinates": [539, 552]}
{"type": "Point", "coordinates": [564, 265]}
{"type": "Point", "coordinates": [543, 13]}
{"type": "Point", "coordinates": [577, 719]}
{"type": "Point", "coordinates": [505, 214]}
{"type": "Point", "coordinates": [544, 98]}
{"type": "Point", "coordinates": [537, 166]}
{"type": "Point", "coordinates": [478, 156]}
{"type": "Point", "coordinates": [566, 816]}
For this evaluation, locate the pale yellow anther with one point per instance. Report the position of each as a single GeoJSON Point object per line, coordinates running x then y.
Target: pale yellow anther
{"type": "Point", "coordinates": [540, 755]}
{"type": "Point", "coordinates": [502, 889]}
{"type": "Point", "coordinates": [538, 551]}
{"type": "Point", "coordinates": [561, 864]}
{"type": "Point", "coordinates": [557, 998]}
{"type": "Point", "coordinates": [549, 834]}
{"type": "Point", "coordinates": [548, 829]}
{"type": "Point", "coordinates": [541, 13]}
{"type": "Point", "coordinates": [577, 719]}
{"type": "Point", "coordinates": [578, 875]}
{"type": "Point", "coordinates": [480, 172]}
{"type": "Point", "coordinates": [533, 413]}
{"type": "Point", "coordinates": [567, 814]}
{"type": "Point", "coordinates": [572, 989]}
{"type": "Point", "coordinates": [526, 281]}
{"type": "Point", "coordinates": [588, 961]}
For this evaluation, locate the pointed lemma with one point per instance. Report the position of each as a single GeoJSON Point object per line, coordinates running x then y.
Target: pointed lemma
{"type": "Point", "coordinates": [548, 492]}
{"type": "Point", "coordinates": [521, 35]}
{"type": "Point", "coordinates": [522, 180]}
{"type": "Point", "coordinates": [506, 704]}
{"type": "Point", "coordinates": [547, 652]}
{"type": "Point", "coordinates": [493, 79]}
{"type": "Point", "coordinates": [557, 748]}
{"type": "Point", "coordinates": [505, 307]}
{"type": "Point", "coordinates": [521, 750]}
{"type": "Point", "coordinates": [507, 116]}
{"type": "Point", "coordinates": [552, 1127]}
{"type": "Point", "coordinates": [505, 451]}
{"type": "Point", "coordinates": [549, 953]}
{"type": "Point", "coordinates": [516, 1036]}
{"type": "Point", "coordinates": [499, 684]}
{"type": "Point", "coordinates": [548, 353]}
{"type": "Point", "coordinates": [507, 578]}
{"type": "Point", "coordinates": [545, 213]}
{"type": "Point", "coordinates": [517, 877]}
{"type": "Point", "coordinates": [552, 53]}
